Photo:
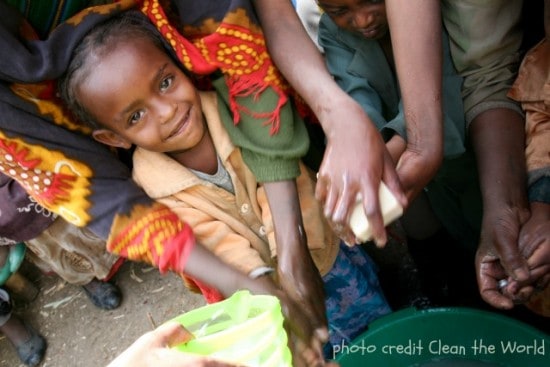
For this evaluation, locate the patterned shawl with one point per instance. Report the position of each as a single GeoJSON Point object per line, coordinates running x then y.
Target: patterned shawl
{"type": "Point", "coordinates": [69, 173]}
{"type": "Point", "coordinates": [62, 167]}
{"type": "Point", "coordinates": [221, 36]}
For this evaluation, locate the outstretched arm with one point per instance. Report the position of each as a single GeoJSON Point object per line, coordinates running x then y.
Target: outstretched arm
{"type": "Point", "coordinates": [355, 160]}
{"type": "Point", "coordinates": [298, 276]}
{"type": "Point", "coordinates": [497, 134]}
{"type": "Point", "coordinates": [416, 39]}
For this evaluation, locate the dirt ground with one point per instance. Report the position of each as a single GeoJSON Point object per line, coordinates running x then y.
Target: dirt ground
{"type": "Point", "coordinates": [79, 334]}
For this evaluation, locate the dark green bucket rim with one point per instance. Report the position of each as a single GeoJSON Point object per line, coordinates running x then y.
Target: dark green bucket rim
{"type": "Point", "coordinates": [412, 337]}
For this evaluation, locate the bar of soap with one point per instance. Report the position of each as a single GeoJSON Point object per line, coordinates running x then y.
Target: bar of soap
{"type": "Point", "coordinates": [390, 207]}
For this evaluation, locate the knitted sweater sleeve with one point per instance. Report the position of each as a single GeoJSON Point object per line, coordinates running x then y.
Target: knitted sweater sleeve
{"type": "Point", "coordinates": [271, 157]}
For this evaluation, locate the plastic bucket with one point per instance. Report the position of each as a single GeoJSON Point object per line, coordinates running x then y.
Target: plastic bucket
{"type": "Point", "coordinates": [244, 329]}
{"type": "Point", "coordinates": [447, 337]}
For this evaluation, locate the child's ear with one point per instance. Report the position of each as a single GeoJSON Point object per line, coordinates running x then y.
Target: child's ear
{"type": "Point", "coordinates": [111, 138]}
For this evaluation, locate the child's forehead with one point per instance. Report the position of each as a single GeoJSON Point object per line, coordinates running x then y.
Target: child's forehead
{"type": "Point", "coordinates": [140, 43]}
{"type": "Point", "coordinates": [333, 3]}
{"type": "Point", "coordinates": [129, 52]}
{"type": "Point", "coordinates": [126, 63]}
{"type": "Point", "coordinates": [337, 2]}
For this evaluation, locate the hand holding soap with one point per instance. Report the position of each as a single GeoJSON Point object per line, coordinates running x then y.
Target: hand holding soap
{"type": "Point", "coordinates": [389, 206]}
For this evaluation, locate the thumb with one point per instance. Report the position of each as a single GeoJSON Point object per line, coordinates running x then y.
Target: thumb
{"type": "Point", "coordinates": [511, 259]}
{"type": "Point", "coordinates": [171, 334]}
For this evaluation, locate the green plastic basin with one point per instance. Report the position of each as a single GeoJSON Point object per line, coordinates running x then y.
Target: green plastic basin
{"type": "Point", "coordinates": [447, 337]}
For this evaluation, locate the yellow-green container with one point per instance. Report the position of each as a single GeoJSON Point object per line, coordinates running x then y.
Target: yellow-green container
{"type": "Point", "coordinates": [244, 329]}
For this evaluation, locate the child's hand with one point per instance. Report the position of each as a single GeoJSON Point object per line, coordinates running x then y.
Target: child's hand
{"type": "Point", "coordinates": [301, 282]}
{"type": "Point", "coordinates": [304, 341]}
{"type": "Point", "coordinates": [305, 344]}
{"type": "Point", "coordinates": [396, 147]}
{"type": "Point", "coordinates": [498, 256]}
{"type": "Point", "coordinates": [304, 355]}
{"type": "Point", "coordinates": [355, 162]}
{"type": "Point", "coordinates": [534, 245]}
{"type": "Point", "coordinates": [154, 349]}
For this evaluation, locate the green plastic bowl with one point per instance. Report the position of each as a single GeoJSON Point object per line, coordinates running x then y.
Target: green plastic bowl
{"type": "Point", "coordinates": [447, 337]}
{"type": "Point", "coordinates": [244, 329]}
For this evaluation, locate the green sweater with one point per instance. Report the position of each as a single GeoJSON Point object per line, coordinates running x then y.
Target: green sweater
{"type": "Point", "coordinates": [270, 157]}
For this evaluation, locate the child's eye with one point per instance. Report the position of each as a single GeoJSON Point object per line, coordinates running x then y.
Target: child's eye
{"type": "Point", "coordinates": [335, 13]}
{"type": "Point", "coordinates": [166, 83]}
{"type": "Point", "coordinates": [135, 117]}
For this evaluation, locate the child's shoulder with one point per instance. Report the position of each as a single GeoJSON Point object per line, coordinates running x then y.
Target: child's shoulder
{"type": "Point", "coordinates": [533, 75]}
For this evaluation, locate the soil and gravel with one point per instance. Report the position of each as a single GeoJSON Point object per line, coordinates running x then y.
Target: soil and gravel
{"type": "Point", "coordinates": [79, 334]}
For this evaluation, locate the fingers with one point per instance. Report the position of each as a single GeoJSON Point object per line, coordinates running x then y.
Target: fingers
{"type": "Point", "coordinates": [515, 265]}
{"type": "Point", "coordinates": [172, 334]}
{"type": "Point", "coordinates": [493, 296]}
{"type": "Point", "coordinates": [489, 273]}
{"type": "Point", "coordinates": [305, 355]}
{"type": "Point", "coordinates": [391, 179]}
{"type": "Point", "coordinates": [321, 337]}
{"type": "Point", "coordinates": [528, 245]}
{"type": "Point", "coordinates": [339, 183]}
{"type": "Point", "coordinates": [540, 277]}
{"type": "Point", "coordinates": [337, 199]}
{"type": "Point", "coordinates": [344, 233]}
{"type": "Point", "coordinates": [338, 210]}
{"type": "Point", "coordinates": [416, 168]}
{"type": "Point", "coordinates": [371, 205]}
{"type": "Point", "coordinates": [507, 249]}
{"type": "Point", "coordinates": [536, 251]}
{"type": "Point", "coordinates": [321, 187]}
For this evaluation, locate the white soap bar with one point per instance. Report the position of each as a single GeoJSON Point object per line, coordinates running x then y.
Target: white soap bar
{"type": "Point", "coordinates": [390, 208]}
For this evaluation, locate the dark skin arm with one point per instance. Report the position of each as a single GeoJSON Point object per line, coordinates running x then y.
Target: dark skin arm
{"type": "Point", "coordinates": [355, 160]}
{"type": "Point", "coordinates": [498, 140]}
{"type": "Point", "coordinates": [497, 137]}
{"type": "Point", "coordinates": [418, 62]}
{"type": "Point", "coordinates": [298, 276]}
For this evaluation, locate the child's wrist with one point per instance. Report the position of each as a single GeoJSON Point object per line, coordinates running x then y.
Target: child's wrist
{"type": "Point", "coordinates": [540, 210]}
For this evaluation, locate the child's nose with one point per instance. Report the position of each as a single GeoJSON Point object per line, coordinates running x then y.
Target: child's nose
{"type": "Point", "coordinates": [363, 19]}
{"type": "Point", "coordinates": [167, 111]}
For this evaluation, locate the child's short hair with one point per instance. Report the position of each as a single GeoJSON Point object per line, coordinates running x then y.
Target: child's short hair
{"type": "Point", "coordinates": [99, 41]}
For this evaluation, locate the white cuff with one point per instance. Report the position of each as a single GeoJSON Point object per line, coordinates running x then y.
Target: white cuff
{"type": "Point", "coordinates": [261, 271]}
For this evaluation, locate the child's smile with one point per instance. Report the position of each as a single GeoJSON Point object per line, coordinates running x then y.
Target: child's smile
{"type": "Point", "coordinates": [137, 92]}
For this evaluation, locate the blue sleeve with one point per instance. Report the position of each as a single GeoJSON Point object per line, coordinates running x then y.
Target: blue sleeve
{"type": "Point", "coordinates": [540, 190]}
{"type": "Point", "coordinates": [345, 65]}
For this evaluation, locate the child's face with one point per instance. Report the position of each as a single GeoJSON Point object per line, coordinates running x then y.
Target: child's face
{"type": "Point", "coordinates": [137, 92]}
{"type": "Point", "coordinates": [367, 17]}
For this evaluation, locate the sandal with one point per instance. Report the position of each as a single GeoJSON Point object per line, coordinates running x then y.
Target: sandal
{"type": "Point", "coordinates": [104, 295]}
{"type": "Point", "coordinates": [32, 351]}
